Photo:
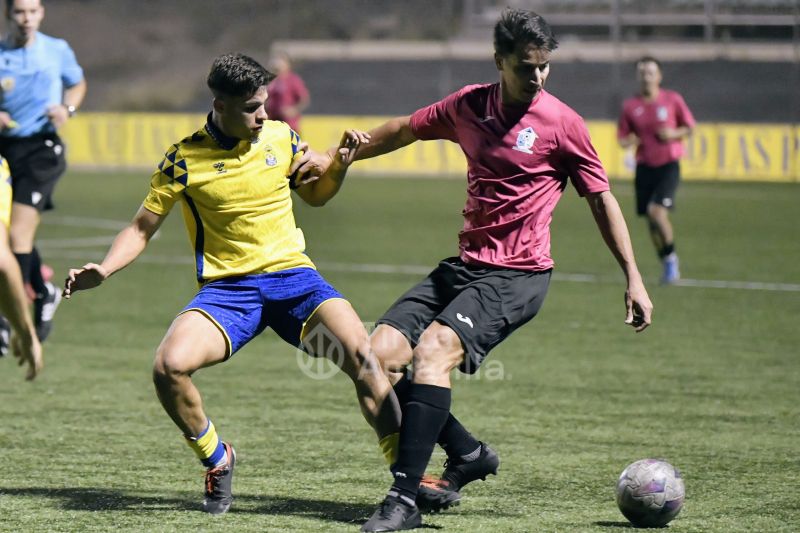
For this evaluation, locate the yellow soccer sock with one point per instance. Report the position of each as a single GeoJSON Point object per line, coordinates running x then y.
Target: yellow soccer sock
{"type": "Point", "coordinates": [208, 447]}
{"type": "Point", "coordinates": [389, 447]}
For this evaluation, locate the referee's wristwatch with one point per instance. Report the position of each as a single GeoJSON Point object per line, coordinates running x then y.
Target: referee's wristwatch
{"type": "Point", "coordinates": [71, 110]}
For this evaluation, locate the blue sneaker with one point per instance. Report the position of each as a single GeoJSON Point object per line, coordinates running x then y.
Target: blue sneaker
{"type": "Point", "coordinates": [672, 271]}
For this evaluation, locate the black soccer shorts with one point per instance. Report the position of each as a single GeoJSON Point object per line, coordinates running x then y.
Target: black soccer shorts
{"type": "Point", "coordinates": [36, 164]}
{"type": "Point", "coordinates": [656, 185]}
{"type": "Point", "coordinates": [483, 305]}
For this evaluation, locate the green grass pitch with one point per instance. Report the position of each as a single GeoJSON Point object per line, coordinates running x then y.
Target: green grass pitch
{"type": "Point", "coordinates": [571, 398]}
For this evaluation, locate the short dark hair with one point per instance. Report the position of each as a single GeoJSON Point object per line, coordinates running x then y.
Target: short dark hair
{"type": "Point", "coordinates": [237, 75]}
{"type": "Point", "coordinates": [520, 27]}
{"type": "Point", "coordinates": [649, 59]}
{"type": "Point", "coordinates": [10, 5]}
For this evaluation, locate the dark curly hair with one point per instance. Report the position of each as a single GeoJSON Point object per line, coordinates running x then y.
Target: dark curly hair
{"type": "Point", "coordinates": [520, 27]}
{"type": "Point", "coordinates": [237, 75]}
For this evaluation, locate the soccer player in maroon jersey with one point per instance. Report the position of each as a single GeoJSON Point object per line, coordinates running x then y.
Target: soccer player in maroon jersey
{"type": "Point", "coordinates": [522, 146]}
{"type": "Point", "coordinates": [288, 95]}
{"type": "Point", "coordinates": [656, 121]}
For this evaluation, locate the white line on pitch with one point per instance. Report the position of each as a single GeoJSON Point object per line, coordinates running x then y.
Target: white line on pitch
{"type": "Point", "coordinates": [417, 270]}
{"type": "Point", "coordinates": [84, 222]}
{"type": "Point", "coordinates": [76, 242]}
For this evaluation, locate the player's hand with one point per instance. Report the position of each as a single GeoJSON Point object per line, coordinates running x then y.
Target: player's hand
{"type": "Point", "coordinates": [667, 134]}
{"type": "Point", "coordinates": [348, 146]}
{"type": "Point", "coordinates": [81, 279]}
{"type": "Point", "coordinates": [58, 115]}
{"type": "Point", "coordinates": [639, 308]}
{"type": "Point", "coordinates": [308, 167]}
{"type": "Point", "coordinates": [6, 122]}
{"type": "Point", "coordinates": [29, 351]}
{"type": "Point", "coordinates": [631, 140]}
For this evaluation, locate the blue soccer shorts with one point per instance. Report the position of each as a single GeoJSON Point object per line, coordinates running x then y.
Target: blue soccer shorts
{"type": "Point", "coordinates": [244, 306]}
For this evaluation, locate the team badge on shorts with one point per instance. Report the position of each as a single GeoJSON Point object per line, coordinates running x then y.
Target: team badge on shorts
{"type": "Point", "coordinates": [525, 140]}
{"type": "Point", "coordinates": [7, 84]}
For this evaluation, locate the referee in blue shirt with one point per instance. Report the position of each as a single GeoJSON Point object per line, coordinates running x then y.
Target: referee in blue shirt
{"type": "Point", "coordinates": [41, 87]}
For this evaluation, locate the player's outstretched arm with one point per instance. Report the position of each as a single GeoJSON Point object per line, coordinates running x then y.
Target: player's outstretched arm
{"type": "Point", "coordinates": [318, 192]}
{"type": "Point", "coordinates": [14, 306]}
{"type": "Point", "coordinates": [608, 215]}
{"type": "Point", "coordinates": [129, 243]}
{"type": "Point", "coordinates": [388, 137]}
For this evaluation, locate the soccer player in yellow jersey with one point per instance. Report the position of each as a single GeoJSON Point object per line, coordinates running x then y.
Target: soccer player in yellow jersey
{"type": "Point", "coordinates": [13, 300]}
{"type": "Point", "coordinates": [233, 179]}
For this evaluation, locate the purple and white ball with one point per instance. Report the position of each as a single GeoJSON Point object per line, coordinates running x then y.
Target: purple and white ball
{"type": "Point", "coordinates": [650, 493]}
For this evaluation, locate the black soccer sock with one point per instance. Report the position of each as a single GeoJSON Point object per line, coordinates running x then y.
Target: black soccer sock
{"type": "Point", "coordinates": [666, 250]}
{"type": "Point", "coordinates": [423, 417]}
{"type": "Point", "coordinates": [25, 261]}
{"type": "Point", "coordinates": [454, 437]}
{"type": "Point", "coordinates": [401, 389]}
{"type": "Point", "coordinates": [37, 281]}
{"type": "Point", "coordinates": [457, 441]}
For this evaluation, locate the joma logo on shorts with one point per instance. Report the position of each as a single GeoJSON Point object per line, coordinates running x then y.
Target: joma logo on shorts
{"type": "Point", "coordinates": [465, 319]}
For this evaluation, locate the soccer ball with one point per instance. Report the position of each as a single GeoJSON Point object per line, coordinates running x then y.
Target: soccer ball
{"type": "Point", "coordinates": [650, 493]}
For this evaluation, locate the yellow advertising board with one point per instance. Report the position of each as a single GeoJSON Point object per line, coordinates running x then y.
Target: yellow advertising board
{"type": "Point", "coordinates": [752, 152]}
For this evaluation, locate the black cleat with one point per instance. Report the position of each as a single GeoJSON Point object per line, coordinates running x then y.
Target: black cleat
{"type": "Point", "coordinates": [218, 495]}
{"type": "Point", "coordinates": [458, 473]}
{"type": "Point", "coordinates": [436, 495]}
{"type": "Point", "coordinates": [394, 514]}
{"type": "Point", "coordinates": [44, 307]}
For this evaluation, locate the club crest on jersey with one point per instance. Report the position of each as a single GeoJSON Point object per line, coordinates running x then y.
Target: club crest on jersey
{"type": "Point", "coordinates": [525, 140]}
{"type": "Point", "coordinates": [271, 160]}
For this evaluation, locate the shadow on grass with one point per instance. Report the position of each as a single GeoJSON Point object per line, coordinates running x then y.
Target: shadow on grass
{"type": "Point", "coordinates": [607, 523]}
{"type": "Point", "coordinates": [96, 499]}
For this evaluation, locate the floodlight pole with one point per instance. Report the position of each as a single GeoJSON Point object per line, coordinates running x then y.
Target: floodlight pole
{"type": "Point", "coordinates": [796, 84]}
{"type": "Point", "coordinates": [616, 70]}
{"type": "Point", "coordinates": [708, 27]}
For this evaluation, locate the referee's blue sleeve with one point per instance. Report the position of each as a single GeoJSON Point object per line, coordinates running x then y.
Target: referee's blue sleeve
{"type": "Point", "coordinates": [71, 71]}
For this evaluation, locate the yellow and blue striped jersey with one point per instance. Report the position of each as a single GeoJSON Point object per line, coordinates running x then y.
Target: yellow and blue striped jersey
{"type": "Point", "coordinates": [5, 194]}
{"type": "Point", "coordinates": [235, 199]}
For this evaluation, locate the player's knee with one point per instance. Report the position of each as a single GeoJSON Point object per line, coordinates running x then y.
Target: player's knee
{"type": "Point", "coordinates": [655, 212]}
{"type": "Point", "coordinates": [170, 364]}
{"type": "Point", "coordinates": [432, 360]}
{"type": "Point", "coordinates": [391, 348]}
{"type": "Point", "coordinates": [364, 364]}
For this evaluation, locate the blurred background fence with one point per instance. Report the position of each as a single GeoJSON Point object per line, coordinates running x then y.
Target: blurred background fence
{"type": "Point", "coordinates": [737, 63]}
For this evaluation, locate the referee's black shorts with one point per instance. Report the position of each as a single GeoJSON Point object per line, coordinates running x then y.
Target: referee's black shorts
{"type": "Point", "coordinates": [36, 164]}
{"type": "Point", "coordinates": [656, 185]}
{"type": "Point", "coordinates": [483, 305]}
